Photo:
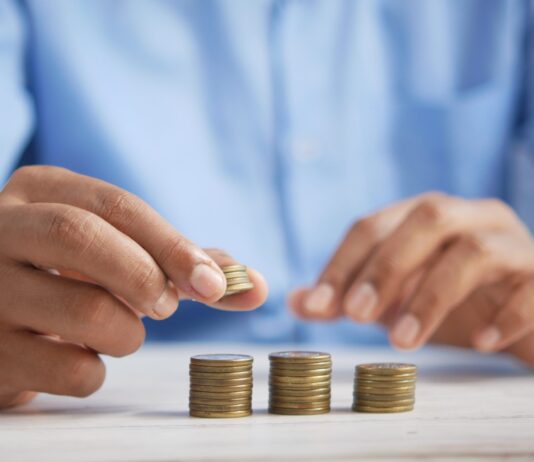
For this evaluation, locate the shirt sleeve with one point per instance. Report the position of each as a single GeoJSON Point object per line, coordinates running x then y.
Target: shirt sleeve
{"type": "Point", "coordinates": [521, 180]}
{"type": "Point", "coordinates": [16, 114]}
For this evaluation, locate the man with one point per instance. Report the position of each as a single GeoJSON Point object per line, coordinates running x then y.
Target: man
{"type": "Point", "coordinates": [267, 129]}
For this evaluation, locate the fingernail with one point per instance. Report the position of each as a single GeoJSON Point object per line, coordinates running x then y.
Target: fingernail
{"type": "Point", "coordinates": [361, 303]}
{"type": "Point", "coordinates": [488, 338]}
{"type": "Point", "coordinates": [406, 330]}
{"type": "Point", "coordinates": [207, 281]}
{"type": "Point", "coordinates": [167, 302]}
{"type": "Point", "coordinates": [319, 298]}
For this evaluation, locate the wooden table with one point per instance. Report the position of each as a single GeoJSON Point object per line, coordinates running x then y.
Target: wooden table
{"type": "Point", "coordinates": [469, 407]}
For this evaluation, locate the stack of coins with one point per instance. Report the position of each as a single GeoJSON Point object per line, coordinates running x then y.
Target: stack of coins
{"type": "Point", "coordinates": [299, 383]}
{"type": "Point", "coordinates": [221, 386]}
{"type": "Point", "coordinates": [384, 387]}
{"type": "Point", "coordinates": [237, 280]}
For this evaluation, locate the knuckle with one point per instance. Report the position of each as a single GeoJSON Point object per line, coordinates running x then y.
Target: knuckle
{"type": "Point", "coordinates": [473, 245]}
{"type": "Point", "coordinates": [177, 249]}
{"type": "Point", "coordinates": [84, 375]}
{"type": "Point", "coordinates": [98, 313]}
{"type": "Point", "coordinates": [431, 300]}
{"type": "Point", "coordinates": [146, 278]}
{"type": "Point", "coordinates": [119, 207]}
{"type": "Point", "coordinates": [387, 267]}
{"type": "Point", "coordinates": [72, 230]}
{"type": "Point", "coordinates": [431, 211]}
{"type": "Point", "coordinates": [367, 228]}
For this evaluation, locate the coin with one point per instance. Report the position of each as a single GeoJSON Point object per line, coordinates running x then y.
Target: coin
{"type": "Point", "coordinates": [219, 415]}
{"type": "Point", "coordinates": [236, 275]}
{"type": "Point", "coordinates": [382, 409]}
{"type": "Point", "coordinates": [235, 281]}
{"type": "Point", "coordinates": [220, 396]}
{"type": "Point", "coordinates": [384, 391]}
{"type": "Point", "coordinates": [388, 378]}
{"type": "Point", "coordinates": [284, 411]}
{"type": "Point", "coordinates": [220, 369]}
{"type": "Point", "coordinates": [233, 268]}
{"type": "Point", "coordinates": [298, 356]}
{"type": "Point", "coordinates": [294, 405]}
{"type": "Point", "coordinates": [384, 383]}
{"type": "Point", "coordinates": [217, 376]}
{"type": "Point", "coordinates": [223, 402]}
{"type": "Point", "coordinates": [293, 366]}
{"type": "Point", "coordinates": [386, 368]}
{"type": "Point", "coordinates": [299, 399]}
{"type": "Point", "coordinates": [299, 392]}
{"type": "Point", "coordinates": [384, 398]}
{"type": "Point", "coordinates": [215, 360]}
{"type": "Point", "coordinates": [219, 382]}
{"type": "Point", "coordinates": [404, 402]}
{"type": "Point", "coordinates": [300, 372]}
{"type": "Point", "coordinates": [298, 386]}
{"type": "Point", "coordinates": [226, 389]}
{"type": "Point", "coordinates": [299, 379]}
{"type": "Point", "coordinates": [238, 288]}
{"type": "Point", "coordinates": [219, 408]}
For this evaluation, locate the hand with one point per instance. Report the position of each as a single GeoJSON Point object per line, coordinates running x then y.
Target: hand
{"type": "Point", "coordinates": [79, 260]}
{"type": "Point", "coordinates": [435, 268]}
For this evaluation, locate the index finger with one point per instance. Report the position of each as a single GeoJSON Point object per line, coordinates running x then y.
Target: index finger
{"type": "Point", "coordinates": [192, 271]}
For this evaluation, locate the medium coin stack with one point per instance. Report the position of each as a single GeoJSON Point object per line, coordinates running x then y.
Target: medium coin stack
{"type": "Point", "coordinates": [299, 383]}
{"type": "Point", "coordinates": [237, 279]}
{"type": "Point", "coordinates": [220, 386]}
{"type": "Point", "coordinates": [384, 387]}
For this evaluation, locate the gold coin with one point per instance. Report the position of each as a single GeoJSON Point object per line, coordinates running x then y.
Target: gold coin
{"type": "Point", "coordinates": [299, 379]}
{"type": "Point", "coordinates": [383, 398]}
{"type": "Point", "coordinates": [222, 389]}
{"type": "Point", "coordinates": [288, 405]}
{"type": "Point", "coordinates": [236, 275]}
{"type": "Point", "coordinates": [298, 357]}
{"type": "Point", "coordinates": [238, 288]}
{"type": "Point", "coordinates": [220, 396]}
{"type": "Point", "coordinates": [299, 399]}
{"type": "Point", "coordinates": [220, 369]}
{"type": "Point", "coordinates": [224, 360]}
{"type": "Point", "coordinates": [386, 378]}
{"type": "Point", "coordinates": [219, 415]}
{"type": "Point", "coordinates": [233, 282]}
{"type": "Point", "coordinates": [219, 383]}
{"type": "Point", "coordinates": [298, 392]}
{"type": "Point", "coordinates": [284, 411]}
{"type": "Point", "coordinates": [382, 409]}
{"type": "Point", "coordinates": [300, 373]}
{"type": "Point", "coordinates": [220, 407]}
{"type": "Point", "coordinates": [387, 368]}
{"type": "Point", "coordinates": [385, 383]}
{"type": "Point", "coordinates": [298, 386]}
{"type": "Point", "coordinates": [301, 366]}
{"type": "Point", "coordinates": [232, 268]}
{"type": "Point", "coordinates": [384, 391]}
{"type": "Point", "coordinates": [388, 404]}
{"type": "Point", "coordinates": [222, 402]}
{"type": "Point", "coordinates": [223, 375]}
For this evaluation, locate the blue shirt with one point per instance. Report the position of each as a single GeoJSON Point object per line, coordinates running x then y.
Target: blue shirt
{"type": "Point", "coordinates": [267, 127]}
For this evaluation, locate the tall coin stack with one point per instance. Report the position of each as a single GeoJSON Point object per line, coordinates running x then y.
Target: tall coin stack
{"type": "Point", "coordinates": [384, 387]}
{"type": "Point", "coordinates": [237, 279]}
{"type": "Point", "coordinates": [299, 383]}
{"type": "Point", "coordinates": [220, 386]}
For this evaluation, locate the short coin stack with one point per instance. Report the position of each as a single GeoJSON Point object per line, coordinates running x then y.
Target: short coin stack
{"type": "Point", "coordinates": [221, 386]}
{"type": "Point", "coordinates": [384, 387]}
{"type": "Point", "coordinates": [299, 383]}
{"type": "Point", "coordinates": [237, 279]}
